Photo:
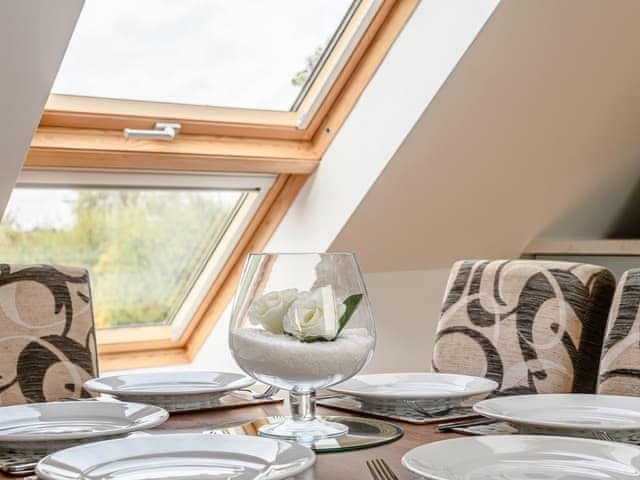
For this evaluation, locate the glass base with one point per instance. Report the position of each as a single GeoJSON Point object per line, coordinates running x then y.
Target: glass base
{"type": "Point", "coordinates": [303, 430]}
{"type": "Point", "coordinates": [363, 432]}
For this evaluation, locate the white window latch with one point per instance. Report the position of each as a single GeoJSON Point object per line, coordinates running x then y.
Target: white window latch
{"type": "Point", "coordinates": [161, 131]}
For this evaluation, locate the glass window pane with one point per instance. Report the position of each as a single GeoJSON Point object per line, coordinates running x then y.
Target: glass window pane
{"type": "Point", "coordinates": [144, 248]}
{"type": "Point", "coordinates": [243, 53]}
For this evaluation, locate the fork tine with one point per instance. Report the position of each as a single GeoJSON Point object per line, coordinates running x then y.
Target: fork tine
{"type": "Point", "coordinates": [385, 465]}
{"type": "Point", "coordinates": [374, 475]}
{"type": "Point", "coordinates": [381, 471]}
{"type": "Point", "coordinates": [603, 436]}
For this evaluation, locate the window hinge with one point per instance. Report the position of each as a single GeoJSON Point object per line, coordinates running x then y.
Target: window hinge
{"type": "Point", "coordinates": [161, 131]}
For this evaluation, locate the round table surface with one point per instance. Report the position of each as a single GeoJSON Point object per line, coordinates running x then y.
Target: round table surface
{"type": "Point", "coordinates": [329, 466]}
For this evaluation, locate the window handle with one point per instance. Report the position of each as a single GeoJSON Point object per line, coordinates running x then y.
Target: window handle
{"type": "Point", "coordinates": [161, 131]}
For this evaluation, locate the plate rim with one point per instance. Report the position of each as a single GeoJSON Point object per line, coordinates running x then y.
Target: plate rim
{"type": "Point", "coordinates": [479, 407]}
{"type": "Point", "coordinates": [310, 457]}
{"type": "Point", "coordinates": [425, 396]}
{"type": "Point", "coordinates": [490, 438]}
{"type": "Point", "coordinates": [155, 417]}
{"type": "Point", "coordinates": [97, 384]}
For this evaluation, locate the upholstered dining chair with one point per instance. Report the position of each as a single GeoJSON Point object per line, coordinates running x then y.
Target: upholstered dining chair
{"type": "Point", "coordinates": [47, 335]}
{"type": "Point", "coordinates": [532, 326]}
{"type": "Point", "coordinates": [620, 361]}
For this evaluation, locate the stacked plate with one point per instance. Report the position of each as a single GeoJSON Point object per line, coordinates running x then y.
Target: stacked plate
{"type": "Point", "coordinates": [173, 391]}
{"type": "Point", "coordinates": [46, 427]}
{"type": "Point", "coordinates": [524, 457]}
{"type": "Point", "coordinates": [429, 393]}
{"type": "Point", "coordinates": [183, 456]}
{"type": "Point", "coordinates": [579, 415]}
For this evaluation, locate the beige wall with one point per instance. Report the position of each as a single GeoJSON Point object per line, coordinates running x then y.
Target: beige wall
{"type": "Point", "coordinates": [406, 307]}
{"type": "Point", "coordinates": [536, 132]}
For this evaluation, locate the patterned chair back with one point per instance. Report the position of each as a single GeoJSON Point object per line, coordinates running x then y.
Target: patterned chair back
{"type": "Point", "coordinates": [532, 326]}
{"type": "Point", "coordinates": [620, 362]}
{"type": "Point", "coordinates": [47, 335]}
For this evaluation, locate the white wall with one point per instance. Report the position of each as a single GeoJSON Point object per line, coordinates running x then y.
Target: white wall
{"type": "Point", "coordinates": [33, 38]}
{"type": "Point", "coordinates": [406, 307]}
{"type": "Point", "coordinates": [420, 61]}
{"type": "Point", "coordinates": [418, 64]}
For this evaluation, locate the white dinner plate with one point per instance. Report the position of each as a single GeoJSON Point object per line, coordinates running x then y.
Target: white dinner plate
{"type": "Point", "coordinates": [428, 391]}
{"type": "Point", "coordinates": [174, 383]}
{"type": "Point", "coordinates": [45, 423]}
{"type": "Point", "coordinates": [565, 413]}
{"type": "Point", "coordinates": [524, 457]}
{"type": "Point", "coordinates": [183, 456]}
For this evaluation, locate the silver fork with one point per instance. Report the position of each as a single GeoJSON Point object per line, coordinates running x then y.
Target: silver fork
{"type": "Point", "coordinates": [380, 470]}
{"type": "Point", "coordinates": [446, 427]}
{"type": "Point", "coordinates": [603, 436]}
{"type": "Point", "coordinates": [268, 393]}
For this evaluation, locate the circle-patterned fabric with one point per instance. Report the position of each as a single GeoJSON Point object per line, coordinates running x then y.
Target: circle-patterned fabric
{"type": "Point", "coordinates": [532, 326]}
{"type": "Point", "coordinates": [47, 335]}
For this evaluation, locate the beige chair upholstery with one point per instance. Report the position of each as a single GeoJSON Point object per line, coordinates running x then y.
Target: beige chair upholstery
{"type": "Point", "coordinates": [532, 326]}
{"type": "Point", "coordinates": [620, 362]}
{"type": "Point", "coordinates": [47, 336]}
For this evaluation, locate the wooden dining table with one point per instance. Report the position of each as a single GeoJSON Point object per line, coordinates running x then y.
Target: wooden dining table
{"type": "Point", "coordinates": [328, 466]}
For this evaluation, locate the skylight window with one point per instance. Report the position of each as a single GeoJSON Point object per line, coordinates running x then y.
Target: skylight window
{"type": "Point", "coordinates": [255, 86]}
{"type": "Point", "coordinates": [249, 54]}
{"type": "Point", "coordinates": [151, 242]}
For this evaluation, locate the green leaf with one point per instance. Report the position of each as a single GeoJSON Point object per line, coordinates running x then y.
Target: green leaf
{"type": "Point", "coordinates": [351, 303]}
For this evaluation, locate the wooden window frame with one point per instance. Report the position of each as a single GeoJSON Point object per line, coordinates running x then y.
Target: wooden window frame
{"type": "Point", "coordinates": [254, 187]}
{"type": "Point", "coordinates": [86, 133]}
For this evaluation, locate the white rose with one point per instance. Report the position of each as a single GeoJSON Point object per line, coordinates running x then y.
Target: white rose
{"type": "Point", "coordinates": [314, 315]}
{"type": "Point", "coordinates": [270, 309]}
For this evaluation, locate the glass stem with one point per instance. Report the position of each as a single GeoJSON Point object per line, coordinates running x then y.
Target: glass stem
{"type": "Point", "coordinates": [303, 406]}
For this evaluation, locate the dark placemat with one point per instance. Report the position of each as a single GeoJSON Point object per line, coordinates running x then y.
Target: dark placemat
{"type": "Point", "coordinates": [237, 398]}
{"type": "Point", "coordinates": [8, 457]}
{"type": "Point", "coordinates": [397, 411]}
{"type": "Point", "coordinates": [232, 400]}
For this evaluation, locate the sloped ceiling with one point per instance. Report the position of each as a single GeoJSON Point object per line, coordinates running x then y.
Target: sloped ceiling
{"type": "Point", "coordinates": [33, 38]}
{"type": "Point", "coordinates": [535, 133]}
